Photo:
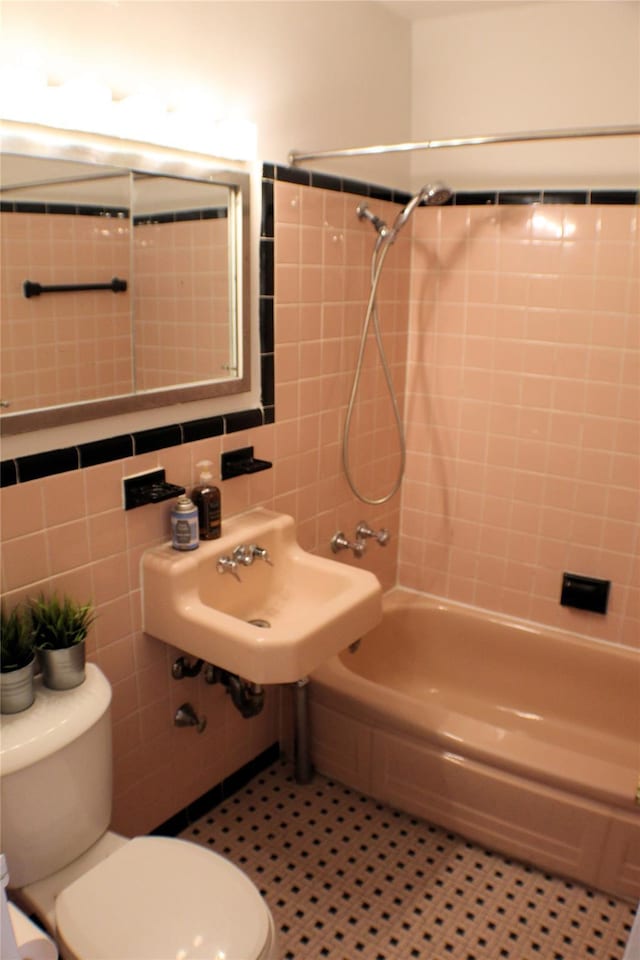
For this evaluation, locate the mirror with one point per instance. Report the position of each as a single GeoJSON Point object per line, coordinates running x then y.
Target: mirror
{"type": "Point", "coordinates": [124, 280]}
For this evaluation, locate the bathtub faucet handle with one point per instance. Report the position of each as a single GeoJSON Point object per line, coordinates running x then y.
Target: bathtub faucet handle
{"type": "Point", "coordinates": [363, 531]}
{"type": "Point", "coordinates": [339, 542]}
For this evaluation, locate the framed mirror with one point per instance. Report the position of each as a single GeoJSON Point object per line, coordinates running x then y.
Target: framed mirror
{"type": "Point", "coordinates": [125, 278]}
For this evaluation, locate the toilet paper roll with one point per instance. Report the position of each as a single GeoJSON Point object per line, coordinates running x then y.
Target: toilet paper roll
{"type": "Point", "coordinates": [33, 943]}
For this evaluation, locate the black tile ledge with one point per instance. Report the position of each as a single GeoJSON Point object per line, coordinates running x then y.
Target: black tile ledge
{"type": "Point", "coordinates": [242, 420]}
{"type": "Point", "coordinates": [146, 441]}
{"type": "Point", "coordinates": [39, 465]}
{"type": "Point", "coordinates": [622, 197]}
{"type": "Point", "coordinates": [8, 473]}
{"type": "Point", "coordinates": [105, 451]}
{"type": "Point", "coordinates": [202, 429]}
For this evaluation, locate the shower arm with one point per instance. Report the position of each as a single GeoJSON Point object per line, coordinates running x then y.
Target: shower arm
{"type": "Point", "coordinates": [530, 136]}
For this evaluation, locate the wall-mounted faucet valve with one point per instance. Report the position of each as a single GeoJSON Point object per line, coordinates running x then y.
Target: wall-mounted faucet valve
{"type": "Point", "coordinates": [186, 716]}
{"type": "Point", "coordinates": [339, 542]}
{"type": "Point", "coordinates": [364, 532]}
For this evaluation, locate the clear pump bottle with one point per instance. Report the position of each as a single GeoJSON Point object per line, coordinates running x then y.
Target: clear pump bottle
{"type": "Point", "coordinates": [207, 499]}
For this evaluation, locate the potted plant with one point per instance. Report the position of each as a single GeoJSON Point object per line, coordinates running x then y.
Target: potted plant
{"type": "Point", "coordinates": [18, 660]}
{"type": "Point", "coordinates": [59, 632]}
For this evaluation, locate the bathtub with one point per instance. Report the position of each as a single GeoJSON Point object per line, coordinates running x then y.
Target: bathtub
{"type": "Point", "coordinates": [522, 738]}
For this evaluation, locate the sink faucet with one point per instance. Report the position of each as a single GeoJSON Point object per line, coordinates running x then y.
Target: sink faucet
{"type": "Point", "coordinates": [260, 553]}
{"type": "Point", "coordinates": [246, 555]}
{"type": "Point", "coordinates": [228, 565]}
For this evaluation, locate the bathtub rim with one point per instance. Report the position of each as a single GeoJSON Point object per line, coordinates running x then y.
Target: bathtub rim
{"type": "Point", "coordinates": [435, 601]}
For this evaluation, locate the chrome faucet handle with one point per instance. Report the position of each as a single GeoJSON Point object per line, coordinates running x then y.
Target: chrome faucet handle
{"type": "Point", "coordinates": [260, 553]}
{"type": "Point", "coordinates": [243, 554]}
{"type": "Point", "coordinates": [227, 565]}
{"type": "Point", "coordinates": [363, 531]}
{"type": "Point", "coordinates": [339, 542]}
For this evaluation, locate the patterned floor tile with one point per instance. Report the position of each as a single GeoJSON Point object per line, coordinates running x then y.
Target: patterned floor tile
{"type": "Point", "coordinates": [346, 878]}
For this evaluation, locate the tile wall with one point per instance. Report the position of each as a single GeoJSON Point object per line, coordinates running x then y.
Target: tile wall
{"type": "Point", "coordinates": [63, 526]}
{"type": "Point", "coordinates": [522, 410]}
{"type": "Point", "coordinates": [181, 268]}
{"type": "Point", "coordinates": [55, 349]}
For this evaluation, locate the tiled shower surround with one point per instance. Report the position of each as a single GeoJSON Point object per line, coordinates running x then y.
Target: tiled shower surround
{"type": "Point", "coordinates": [522, 410]}
{"type": "Point", "coordinates": [521, 404]}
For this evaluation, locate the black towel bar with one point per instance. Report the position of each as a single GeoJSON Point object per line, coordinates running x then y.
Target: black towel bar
{"type": "Point", "coordinates": [32, 289]}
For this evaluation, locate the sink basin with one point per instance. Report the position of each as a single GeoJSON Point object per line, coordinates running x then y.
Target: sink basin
{"type": "Point", "coordinates": [305, 608]}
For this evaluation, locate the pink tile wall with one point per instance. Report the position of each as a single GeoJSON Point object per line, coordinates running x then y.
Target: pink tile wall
{"type": "Point", "coordinates": [181, 302]}
{"type": "Point", "coordinates": [63, 347]}
{"type": "Point", "coordinates": [522, 409]}
{"type": "Point", "coordinates": [69, 532]}
{"type": "Point", "coordinates": [322, 284]}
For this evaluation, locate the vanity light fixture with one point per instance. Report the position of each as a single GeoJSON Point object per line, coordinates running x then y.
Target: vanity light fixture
{"type": "Point", "coordinates": [85, 104]}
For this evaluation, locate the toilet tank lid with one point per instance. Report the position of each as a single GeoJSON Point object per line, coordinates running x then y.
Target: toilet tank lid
{"type": "Point", "coordinates": [55, 719]}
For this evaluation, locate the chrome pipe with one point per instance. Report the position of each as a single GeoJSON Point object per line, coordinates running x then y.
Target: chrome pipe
{"type": "Point", "coordinates": [529, 136]}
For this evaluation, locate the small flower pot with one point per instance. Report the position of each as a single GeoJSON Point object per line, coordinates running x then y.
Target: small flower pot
{"type": "Point", "coordinates": [63, 669]}
{"type": "Point", "coordinates": [16, 688]}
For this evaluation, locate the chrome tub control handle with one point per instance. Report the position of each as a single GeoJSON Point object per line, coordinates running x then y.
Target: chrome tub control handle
{"type": "Point", "coordinates": [364, 531]}
{"type": "Point", "coordinates": [339, 542]}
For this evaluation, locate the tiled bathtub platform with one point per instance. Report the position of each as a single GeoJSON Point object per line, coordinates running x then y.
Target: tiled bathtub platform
{"type": "Point", "coordinates": [346, 878]}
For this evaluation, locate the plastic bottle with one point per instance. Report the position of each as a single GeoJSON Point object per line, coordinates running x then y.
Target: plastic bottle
{"type": "Point", "coordinates": [184, 525]}
{"type": "Point", "coordinates": [207, 499]}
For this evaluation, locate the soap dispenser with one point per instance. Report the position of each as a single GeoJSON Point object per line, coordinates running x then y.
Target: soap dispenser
{"type": "Point", "coordinates": [207, 499]}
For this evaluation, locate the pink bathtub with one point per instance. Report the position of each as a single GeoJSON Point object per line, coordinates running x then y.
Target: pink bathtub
{"type": "Point", "coordinates": [522, 738]}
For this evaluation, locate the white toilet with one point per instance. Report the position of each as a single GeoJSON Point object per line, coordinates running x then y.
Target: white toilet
{"type": "Point", "coordinates": [102, 896]}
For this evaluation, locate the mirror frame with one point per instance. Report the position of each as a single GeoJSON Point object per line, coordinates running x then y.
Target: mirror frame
{"type": "Point", "coordinates": [47, 142]}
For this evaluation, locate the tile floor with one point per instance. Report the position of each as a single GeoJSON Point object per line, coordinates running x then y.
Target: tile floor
{"type": "Point", "coordinates": [346, 878]}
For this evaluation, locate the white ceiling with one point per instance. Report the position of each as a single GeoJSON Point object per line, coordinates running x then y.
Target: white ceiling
{"type": "Point", "coordinates": [421, 9]}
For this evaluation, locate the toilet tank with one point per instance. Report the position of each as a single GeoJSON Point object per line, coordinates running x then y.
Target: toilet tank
{"type": "Point", "coordinates": [55, 778]}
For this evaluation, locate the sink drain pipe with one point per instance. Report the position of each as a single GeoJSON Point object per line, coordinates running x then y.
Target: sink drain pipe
{"type": "Point", "coordinates": [248, 697]}
{"type": "Point", "coordinates": [303, 767]}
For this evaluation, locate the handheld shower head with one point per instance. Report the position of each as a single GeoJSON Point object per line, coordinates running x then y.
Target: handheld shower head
{"type": "Point", "coordinates": [431, 194]}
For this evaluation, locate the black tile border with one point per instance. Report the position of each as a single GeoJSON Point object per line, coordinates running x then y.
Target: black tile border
{"type": "Point", "coordinates": [39, 465]}
{"type": "Point", "coordinates": [218, 794]}
{"type": "Point", "coordinates": [181, 216]}
{"type": "Point", "coordinates": [105, 451]}
{"type": "Point", "coordinates": [76, 210]}
{"type": "Point", "coordinates": [361, 188]}
{"type": "Point", "coordinates": [24, 469]}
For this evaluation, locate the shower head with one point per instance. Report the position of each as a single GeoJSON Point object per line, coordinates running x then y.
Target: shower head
{"type": "Point", "coordinates": [432, 194]}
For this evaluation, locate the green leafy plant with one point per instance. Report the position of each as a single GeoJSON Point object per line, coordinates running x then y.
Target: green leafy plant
{"type": "Point", "coordinates": [16, 641]}
{"type": "Point", "coordinates": [58, 624]}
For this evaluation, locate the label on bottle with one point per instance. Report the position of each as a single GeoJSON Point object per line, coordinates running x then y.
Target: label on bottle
{"type": "Point", "coordinates": [184, 530]}
{"type": "Point", "coordinates": [208, 502]}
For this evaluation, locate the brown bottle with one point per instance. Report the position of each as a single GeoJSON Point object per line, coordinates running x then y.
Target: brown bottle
{"type": "Point", "coordinates": [207, 499]}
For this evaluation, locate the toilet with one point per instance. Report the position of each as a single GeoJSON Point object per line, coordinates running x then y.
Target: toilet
{"type": "Point", "coordinates": [98, 894]}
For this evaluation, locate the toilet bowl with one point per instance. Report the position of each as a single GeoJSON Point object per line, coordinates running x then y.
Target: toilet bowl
{"type": "Point", "coordinates": [102, 896]}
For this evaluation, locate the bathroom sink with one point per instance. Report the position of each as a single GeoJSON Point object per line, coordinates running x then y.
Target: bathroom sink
{"type": "Point", "coordinates": [272, 619]}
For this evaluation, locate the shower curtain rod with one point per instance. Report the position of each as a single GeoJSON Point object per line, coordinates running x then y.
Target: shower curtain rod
{"type": "Point", "coordinates": [578, 133]}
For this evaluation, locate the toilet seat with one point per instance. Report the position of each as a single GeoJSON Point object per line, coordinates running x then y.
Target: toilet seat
{"type": "Point", "coordinates": [159, 897]}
